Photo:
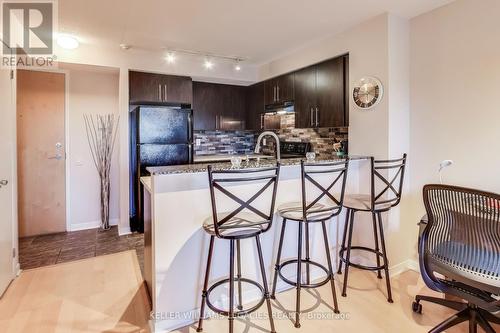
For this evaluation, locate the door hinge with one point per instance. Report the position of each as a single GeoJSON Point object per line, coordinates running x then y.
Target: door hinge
{"type": "Point", "coordinates": [13, 253]}
{"type": "Point", "coordinates": [12, 74]}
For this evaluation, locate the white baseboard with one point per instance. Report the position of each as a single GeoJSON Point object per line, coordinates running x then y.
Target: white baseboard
{"type": "Point", "coordinates": [124, 230]}
{"type": "Point", "coordinates": [90, 225]}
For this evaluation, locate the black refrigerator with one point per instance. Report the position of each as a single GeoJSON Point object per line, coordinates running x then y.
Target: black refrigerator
{"type": "Point", "coordinates": [159, 136]}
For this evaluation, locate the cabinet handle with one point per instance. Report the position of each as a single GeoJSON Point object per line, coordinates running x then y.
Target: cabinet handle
{"type": "Point", "coordinates": [261, 121]}
{"type": "Point", "coordinates": [274, 94]}
{"type": "Point", "coordinates": [159, 93]}
{"type": "Point", "coordinates": [165, 95]}
{"type": "Point", "coordinates": [312, 117]}
{"type": "Point", "coordinates": [216, 122]}
{"type": "Point", "coordinates": [317, 118]}
{"type": "Point", "coordinates": [277, 93]}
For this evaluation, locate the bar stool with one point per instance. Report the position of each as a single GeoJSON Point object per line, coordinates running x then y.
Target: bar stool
{"type": "Point", "coordinates": [384, 195]}
{"type": "Point", "coordinates": [314, 211]}
{"type": "Point", "coordinates": [243, 222]}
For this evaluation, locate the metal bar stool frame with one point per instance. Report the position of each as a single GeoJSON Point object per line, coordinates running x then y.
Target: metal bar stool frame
{"type": "Point", "coordinates": [308, 170]}
{"type": "Point", "coordinates": [377, 205]}
{"type": "Point", "coordinates": [270, 177]}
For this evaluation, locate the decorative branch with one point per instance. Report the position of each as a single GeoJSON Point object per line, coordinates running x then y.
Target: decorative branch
{"type": "Point", "coordinates": [101, 136]}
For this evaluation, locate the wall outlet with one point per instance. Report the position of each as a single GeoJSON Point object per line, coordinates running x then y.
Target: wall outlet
{"type": "Point", "coordinates": [198, 142]}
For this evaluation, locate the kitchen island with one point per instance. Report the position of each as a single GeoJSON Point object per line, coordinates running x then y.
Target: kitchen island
{"type": "Point", "coordinates": [177, 201]}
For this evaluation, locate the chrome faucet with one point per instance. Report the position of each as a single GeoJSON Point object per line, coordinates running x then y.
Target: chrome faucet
{"type": "Point", "coordinates": [276, 138]}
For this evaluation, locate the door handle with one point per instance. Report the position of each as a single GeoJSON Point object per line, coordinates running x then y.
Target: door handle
{"type": "Point", "coordinates": [159, 93]}
{"type": "Point", "coordinates": [55, 157]}
{"type": "Point", "coordinates": [3, 182]}
{"type": "Point", "coordinates": [317, 118]}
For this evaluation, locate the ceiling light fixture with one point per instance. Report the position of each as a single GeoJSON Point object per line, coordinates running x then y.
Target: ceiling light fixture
{"type": "Point", "coordinates": [208, 64]}
{"type": "Point", "coordinates": [67, 42]}
{"type": "Point", "coordinates": [170, 57]}
{"type": "Point", "coordinates": [237, 66]}
{"type": "Point", "coordinates": [125, 47]}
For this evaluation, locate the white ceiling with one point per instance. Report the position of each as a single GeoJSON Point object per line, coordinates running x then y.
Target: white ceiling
{"type": "Point", "coordinates": [257, 30]}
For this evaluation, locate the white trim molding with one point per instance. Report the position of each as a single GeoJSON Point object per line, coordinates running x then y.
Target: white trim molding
{"type": "Point", "coordinates": [90, 225]}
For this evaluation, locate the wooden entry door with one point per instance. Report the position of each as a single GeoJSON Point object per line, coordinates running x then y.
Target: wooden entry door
{"type": "Point", "coordinates": [41, 152]}
{"type": "Point", "coordinates": [7, 176]}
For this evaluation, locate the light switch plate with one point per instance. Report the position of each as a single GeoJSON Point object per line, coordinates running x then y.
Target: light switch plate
{"type": "Point", "coordinates": [198, 142]}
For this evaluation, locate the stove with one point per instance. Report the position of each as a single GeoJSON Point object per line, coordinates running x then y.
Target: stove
{"type": "Point", "coordinates": [290, 149]}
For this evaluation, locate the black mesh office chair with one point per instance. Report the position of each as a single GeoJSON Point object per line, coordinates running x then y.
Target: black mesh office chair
{"type": "Point", "coordinates": [459, 252]}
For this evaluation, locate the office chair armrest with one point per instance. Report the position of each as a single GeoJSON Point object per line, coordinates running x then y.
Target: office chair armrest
{"type": "Point", "coordinates": [422, 224]}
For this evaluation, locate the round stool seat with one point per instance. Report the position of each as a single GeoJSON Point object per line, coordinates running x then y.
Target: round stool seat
{"type": "Point", "coordinates": [293, 211]}
{"type": "Point", "coordinates": [362, 202]}
{"type": "Point", "coordinates": [243, 225]}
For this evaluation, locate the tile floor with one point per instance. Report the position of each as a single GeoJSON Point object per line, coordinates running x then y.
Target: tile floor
{"type": "Point", "coordinates": [52, 249]}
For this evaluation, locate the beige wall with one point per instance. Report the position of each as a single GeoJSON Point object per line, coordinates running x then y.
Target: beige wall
{"type": "Point", "coordinates": [90, 92]}
{"type": "Point", "coordinates": [380, 48]}
{"type": "Point", "coordinates": [455, 84]}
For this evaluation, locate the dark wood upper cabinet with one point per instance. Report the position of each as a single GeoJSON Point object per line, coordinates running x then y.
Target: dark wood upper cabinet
{"type": "Point", "coordinates": [285, 87]}
{"type": "Point", "coordinates": [255, 107]}
{"type": "Point", "coordinates": [179, 89]}
{"type": "Point", "coordinates": [206, 105]}
{"type": "Point", "coordinates": [320, 95]}
{"type": "Point", "coordinates": [330, 93]}
{"type": "Point", "coordinates": [233, 116]}
{"type": "Point", "coordinates": [305, 97]}
{"type": "Point", "coordinates": [218, 106]}
{"type": "Point", "coordinates": [157, 88]}
{"type": "Point", "coordinates": [279, 89]}
{"type": "Point", "coordinates": [144, 87]}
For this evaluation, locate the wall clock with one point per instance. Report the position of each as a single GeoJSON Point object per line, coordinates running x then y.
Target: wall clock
{"type": "Point", "coordinates": [367, 92]}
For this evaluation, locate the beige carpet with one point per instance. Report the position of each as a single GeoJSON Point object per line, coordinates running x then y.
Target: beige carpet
{"type": "Point", "coordinates": [101, 294]}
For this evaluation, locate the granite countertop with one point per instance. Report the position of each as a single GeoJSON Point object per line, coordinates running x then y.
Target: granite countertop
{"type": "Point", "coordinates": [226, 157]}
{"type": "Point", "coordinates": [202, 167]}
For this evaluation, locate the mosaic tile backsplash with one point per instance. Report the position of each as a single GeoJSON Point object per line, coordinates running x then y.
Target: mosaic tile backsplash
{"type": "Point", "coordinates": [224, 142]}
{"type": "Point", "coordinates": [243, 142]}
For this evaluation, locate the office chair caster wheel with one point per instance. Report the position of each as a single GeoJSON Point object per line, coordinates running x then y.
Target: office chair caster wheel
{"type": "Point", "coordinates": [416, 307]}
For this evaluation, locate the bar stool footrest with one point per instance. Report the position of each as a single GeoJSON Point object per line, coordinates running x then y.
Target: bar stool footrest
{"type": "Point", "coordinates": [240, 312]}
{"type": "Point", "coordinates": [304, 285]}
{"type": "Point", "coordinates": [360, 266]}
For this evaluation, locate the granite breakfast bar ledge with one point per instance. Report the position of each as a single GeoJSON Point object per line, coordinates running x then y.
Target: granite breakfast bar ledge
{"type": "Point", "coordinates": [177, 201]}
{"type": "Point", "coordinates": [262, 163]}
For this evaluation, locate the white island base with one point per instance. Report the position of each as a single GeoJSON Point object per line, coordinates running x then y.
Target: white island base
{"type": "Point", "coordinates": [176, 204]}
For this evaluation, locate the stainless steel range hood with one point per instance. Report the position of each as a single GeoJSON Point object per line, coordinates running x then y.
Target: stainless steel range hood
{"type": "Point", "coordinates": [283, 108]}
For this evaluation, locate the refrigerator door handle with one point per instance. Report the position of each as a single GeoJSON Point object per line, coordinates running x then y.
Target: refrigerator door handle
{"type": "Point", "coordinates": [190, 152]}
{"type": "Point", "coordinates": [190, 127]}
